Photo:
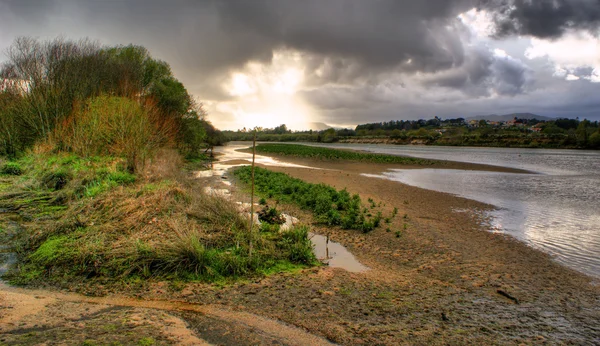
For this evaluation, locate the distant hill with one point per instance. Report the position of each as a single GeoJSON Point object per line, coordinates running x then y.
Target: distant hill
{"type": "Point", "coordinates": [507, 117]}
{"type": "Point", "coordinates": [316, 126]}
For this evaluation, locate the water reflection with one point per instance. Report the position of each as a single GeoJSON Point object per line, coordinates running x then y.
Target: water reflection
{"type": "Point", "coordinates": [557, 214]}
{"type": "Point", "coordinates": [335, 254]}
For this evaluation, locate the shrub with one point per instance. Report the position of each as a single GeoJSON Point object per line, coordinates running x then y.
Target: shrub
{"type": "Point", "coordinates": [115, 126]}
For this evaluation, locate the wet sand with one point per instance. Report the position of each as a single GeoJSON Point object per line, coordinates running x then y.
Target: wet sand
{"type": "Point", "coordinates": [443, 280]}
{"type": "Point", "coordinates": [368, 167]}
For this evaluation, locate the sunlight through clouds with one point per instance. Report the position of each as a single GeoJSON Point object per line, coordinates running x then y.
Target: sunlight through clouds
{"type": "Point", "coordinates": [265, 94]}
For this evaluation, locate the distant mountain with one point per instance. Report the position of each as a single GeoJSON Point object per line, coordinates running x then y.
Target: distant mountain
{"type": "Point", "coordinates": [507, 117]}
{"type": "Point", "coordinates": [315, 126]}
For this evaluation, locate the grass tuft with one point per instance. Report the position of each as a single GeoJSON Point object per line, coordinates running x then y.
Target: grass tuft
{"type": "Point", "coordinates": [11, 168]}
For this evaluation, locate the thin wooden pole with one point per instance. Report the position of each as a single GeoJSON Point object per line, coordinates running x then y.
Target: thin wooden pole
{"type": "Point", "coordinates": [252, 193]}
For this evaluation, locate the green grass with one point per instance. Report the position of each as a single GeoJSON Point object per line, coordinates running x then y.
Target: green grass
{"type": "Point", "coordinates": [321, 153]}
{"type": "Point", "coordinates": [76, 224]}
{"type": "Point", "coordinates": [330, 206]}
{"type": "Point", "coordinates": [11, 168]}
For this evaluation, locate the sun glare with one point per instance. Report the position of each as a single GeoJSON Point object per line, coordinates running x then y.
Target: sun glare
{"type": "Point", "coordinates": [265, 95]}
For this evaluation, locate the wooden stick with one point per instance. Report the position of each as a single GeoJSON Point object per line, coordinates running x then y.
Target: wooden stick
{"type": "Point", "coordinates": [252, 193]}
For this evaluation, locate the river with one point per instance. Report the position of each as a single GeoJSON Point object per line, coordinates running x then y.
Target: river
{"type": "Point", "coordinates": [556, 210]}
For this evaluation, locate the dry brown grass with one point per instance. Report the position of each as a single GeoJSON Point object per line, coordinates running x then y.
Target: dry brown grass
{"type": "Point", "coordinates": [116, 126]}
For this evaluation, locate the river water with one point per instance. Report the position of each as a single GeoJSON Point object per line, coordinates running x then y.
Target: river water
{"type": "Point", "coordinates": [556, 210]}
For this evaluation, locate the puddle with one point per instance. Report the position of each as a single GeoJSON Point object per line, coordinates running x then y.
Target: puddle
{"type": "Point", "coordinates": [335, 254]}
{"type": "Point", "coordinates": [7, 257]}
{"type": "Point", "coordinates": [229, 157]}
{"type": "Point", "coordinates": [332, 253]}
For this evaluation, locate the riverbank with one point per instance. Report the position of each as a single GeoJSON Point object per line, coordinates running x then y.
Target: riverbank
{"type": "Point", "coordinates": [436, 277]}
{"type": "Point", "coordinates": [445, 276]}
{"type": "Point", "coordinates": [364, 161]}
{"type": "Point", "coordinates": [489, 141]}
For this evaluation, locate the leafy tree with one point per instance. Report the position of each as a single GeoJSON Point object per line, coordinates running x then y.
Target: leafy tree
{"type": "Point", "coordinates": [594, 140]}
{"type": "Point", "coordinates": [582, 133]}
{"type": "Point", "coordinates": [43, 82]}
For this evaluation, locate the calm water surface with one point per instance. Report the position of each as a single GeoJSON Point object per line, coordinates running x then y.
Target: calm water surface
{"type": "Point", "coordinates": [556, 210]}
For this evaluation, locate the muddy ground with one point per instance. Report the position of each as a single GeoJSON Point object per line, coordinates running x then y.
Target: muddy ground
{"type": "Point", "coordinates": [437, 277]}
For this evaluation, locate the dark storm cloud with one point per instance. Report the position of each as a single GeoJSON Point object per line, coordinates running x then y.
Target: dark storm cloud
{"type": "Point", "coordinates": [543, 18]}
{"type": "Point", "coordinates": [358, 54]}
{"type": "Point", "coordinates": [375, 33]}
{"type": "Point", "coordinates": [224, 34]}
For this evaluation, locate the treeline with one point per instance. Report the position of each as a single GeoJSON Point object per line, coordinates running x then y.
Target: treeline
{"type": "Point", "coordinates": [93, 100]}
{"type": "Point", "coordinates": [558, 133]}
{"type": "Point", "coordinates": [283, 134]}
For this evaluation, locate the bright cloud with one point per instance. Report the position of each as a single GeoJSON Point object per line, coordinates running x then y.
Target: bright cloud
{"type": "Point", "coordinates": [575, 55]}
{"type": "Point", "coordinates": [265, 93]}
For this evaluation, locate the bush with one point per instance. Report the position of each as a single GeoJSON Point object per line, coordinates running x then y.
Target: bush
{"type": "Point", "coordinates": [11, 168]}
{"type": "Point", "coordinates": [114, 126]}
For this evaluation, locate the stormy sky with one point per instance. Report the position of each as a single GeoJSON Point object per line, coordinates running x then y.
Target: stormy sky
{"type": "Point", "coordinates": [345, 62]}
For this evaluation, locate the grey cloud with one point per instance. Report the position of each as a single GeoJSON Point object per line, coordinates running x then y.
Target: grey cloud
{"type": "Point", "coordinates": [225, 34]}
{"type": "Point", "coordinates": [374, 33]}
{"type": "Point", "coordinates": [362, 57]}
{"type": "Point", "coordinates": [484, 74]}
{"type": "Point", "coordinates": [510, 76]}
{"type": "Point", "coordinates": [543, 18]}
{"type": "Point", "coordinates": [30, 9]}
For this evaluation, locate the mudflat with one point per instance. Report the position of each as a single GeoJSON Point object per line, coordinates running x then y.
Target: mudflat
{"type": "Point", "coordinates": [436, 277]}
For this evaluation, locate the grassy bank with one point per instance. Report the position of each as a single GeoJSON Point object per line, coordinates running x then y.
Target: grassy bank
{"type": "Point", "coordinates": [306, 151]}
{"type": "Point", "coordinates": [329, 206]}
{"type": "Point", "coordinates": [70, 218]}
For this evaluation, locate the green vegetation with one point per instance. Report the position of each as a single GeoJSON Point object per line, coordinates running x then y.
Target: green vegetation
{"type": "Point", "coordinates": [91, 218]}
{"type": "Point", "coordinates": [88, 99]}
{"type": "Point", "coordinates": [95, 138]}
{"type": "Point", "coordinates": [11, 168]}
{"type": "Point", "coordinates": [331, 207]}
{"type": "Point", "coordinates": [528, 133]}
{"type": "Point", "coordinates": [270, 216]}
{"type": "Point", "coordinates": [299, 150]}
